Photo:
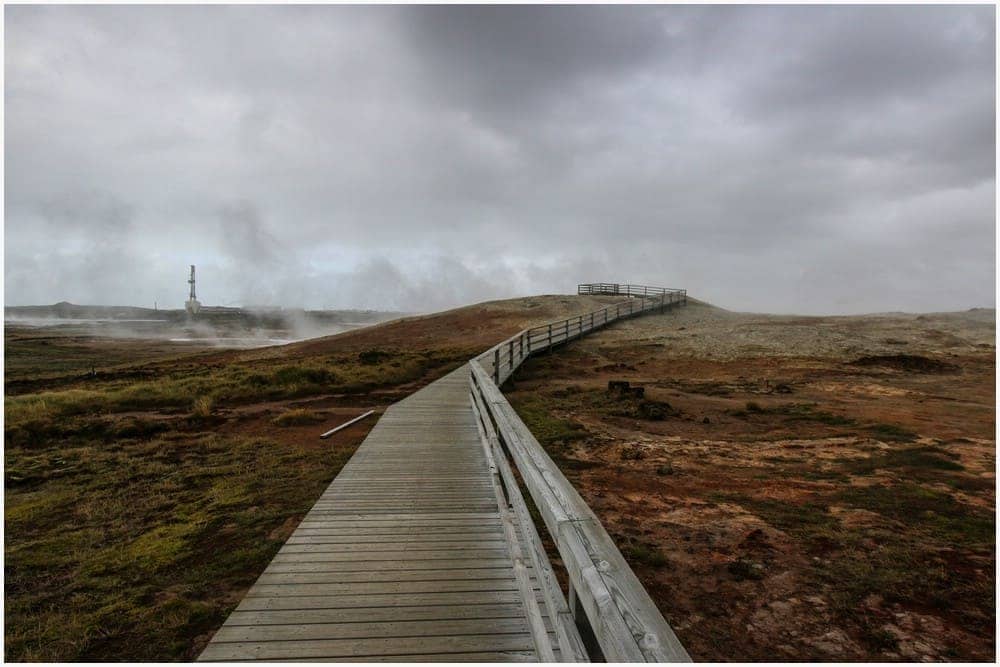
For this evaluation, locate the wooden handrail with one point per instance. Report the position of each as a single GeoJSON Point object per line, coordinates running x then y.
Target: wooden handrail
{"type": "Point", "coordinates": [604, 592]}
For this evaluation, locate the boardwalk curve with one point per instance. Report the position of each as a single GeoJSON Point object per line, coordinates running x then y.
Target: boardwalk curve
{"type": "Point", "coordinates": [423, 549]}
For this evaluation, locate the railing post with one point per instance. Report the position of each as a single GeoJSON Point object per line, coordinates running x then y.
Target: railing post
{"type": "Point", "coordinates": [567, 331]}
{"type": "Point", "coordinates": [520, 346]}
{"type": "Point", "coordinates": [550, 337]}
{"type": "Point", "coordinates": [496, 366]}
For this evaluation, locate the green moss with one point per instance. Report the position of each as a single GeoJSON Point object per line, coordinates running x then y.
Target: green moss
{"type": "Point", "coordinates": [923, 509]}
{"type": "Point", "coordinates": [142, 545]}
{"type": "Point", "coordinates": [537, 415]}
{"type": "Point", "coordinates": [644, 554]}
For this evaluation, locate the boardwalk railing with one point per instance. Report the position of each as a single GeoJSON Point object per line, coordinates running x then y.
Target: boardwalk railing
{"type": "Point", "coordinates": [618, 289]}
{"type": "Point", "coordinates": [502, 359]}
{"type": "Point", "coordinates": [604, 594]}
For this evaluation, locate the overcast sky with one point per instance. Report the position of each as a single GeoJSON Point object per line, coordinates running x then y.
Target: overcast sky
{"type": "Point", "coordinates": [782, 159]}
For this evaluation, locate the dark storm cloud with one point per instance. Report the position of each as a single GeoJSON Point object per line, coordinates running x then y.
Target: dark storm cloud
{"type": "Point", "coordinates": [811, 159]}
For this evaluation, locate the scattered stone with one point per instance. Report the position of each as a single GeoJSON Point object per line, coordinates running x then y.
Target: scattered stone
{"type": "Point", "coordinates": [745, 568]}
{"type": "Point", "coordinates": [624, 388]}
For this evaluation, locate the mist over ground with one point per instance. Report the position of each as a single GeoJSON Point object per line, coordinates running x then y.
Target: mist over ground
{"type": "Point", "coordinates": [783, 159]}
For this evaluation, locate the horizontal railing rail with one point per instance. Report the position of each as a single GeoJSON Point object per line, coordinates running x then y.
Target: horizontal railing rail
{"type": "Point", "coordinates": [503, 358]}
{"type": "Point", "coordinates": [604, 594]}
{"type": "Point", "coordinates": [619, 289]}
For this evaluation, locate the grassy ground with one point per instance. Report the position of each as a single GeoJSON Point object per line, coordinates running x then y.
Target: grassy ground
{"type": "Point", "coordinates": [135, 547]}
{"type": "Point", "coordinates": [137, 512]}
{"type": "Point", "coordinates": [144, 500]}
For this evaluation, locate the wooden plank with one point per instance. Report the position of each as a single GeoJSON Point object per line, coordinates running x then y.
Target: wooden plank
{"type": "Point", "coordinates": [380, 587]}
{"type": "Point", "coordinates": [416, 548]}
{"type": "Point", "coordinates": [252, 603]}
{"type": "Point", "coordinates": [368, 576]}
{"type": "Point", "coordinates": [391, 556]}
{"type": "Point", "coordinates": [371, 630]}
{"type": "Point", "coordinates": [402, 540]}
{"type": "Point", "coordinates": [359, 648]}
{"type": "Point", "coordinates": [356, 565]}
{"type": "Point", "coordinates": [481, 657]}
{"type": "Point", "coordinates": [376, 614]}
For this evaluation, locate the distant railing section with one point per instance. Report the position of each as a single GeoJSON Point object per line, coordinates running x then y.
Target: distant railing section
{"type": "Point", "coordinates": [604, 594]}
{"type": "Point", "coordinates": [508, 355]}
{"type": "Point", "coordinates": [618, 289]}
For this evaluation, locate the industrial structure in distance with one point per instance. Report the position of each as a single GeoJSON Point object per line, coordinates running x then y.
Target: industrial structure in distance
{"type": "Point", "coordinates": [191, 305]}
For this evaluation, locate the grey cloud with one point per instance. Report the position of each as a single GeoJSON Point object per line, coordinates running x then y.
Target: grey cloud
{"type": "Point", "coordinates": [421, 157]}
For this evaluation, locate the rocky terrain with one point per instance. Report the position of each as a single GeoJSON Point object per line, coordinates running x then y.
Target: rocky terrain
{"type": "Point", "coordinates": [790, 488]}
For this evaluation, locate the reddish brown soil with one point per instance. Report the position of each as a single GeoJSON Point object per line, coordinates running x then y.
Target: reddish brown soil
{"type": "Point", "coordinates": [790, 506]}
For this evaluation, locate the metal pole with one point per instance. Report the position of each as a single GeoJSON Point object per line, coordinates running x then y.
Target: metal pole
{"type": "Point", "coordinates": [345, 425]}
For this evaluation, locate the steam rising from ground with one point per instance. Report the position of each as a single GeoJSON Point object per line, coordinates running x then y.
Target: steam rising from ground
{"type": "Point", "coordinates": [230, 329]}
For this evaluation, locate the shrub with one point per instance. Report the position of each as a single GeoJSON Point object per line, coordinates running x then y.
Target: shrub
{"type": "Point", "coordinates": [373, 356]}
{"type": "Point", "coordinates": [297, 417]}
{"type": "Point", "coordinates": [202, 407]}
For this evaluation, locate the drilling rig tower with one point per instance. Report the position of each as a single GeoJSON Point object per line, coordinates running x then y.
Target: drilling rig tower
{"type": "Point", "coordinates": [192, 306]}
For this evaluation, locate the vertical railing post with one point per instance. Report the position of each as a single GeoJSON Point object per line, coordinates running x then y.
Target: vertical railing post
{"type": "Point", "coordinates": [566, 340]}
{"type": "Point", "coordinates": [510, 354]}
{"type": "Point", "coordinates": [520, 346]}
{"type": "Point", "coordinates": [550, 337]}
{"type": "Point", "coordinates": [496, 366]}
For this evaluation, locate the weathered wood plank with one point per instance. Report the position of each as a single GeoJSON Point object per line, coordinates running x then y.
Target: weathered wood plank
{"type": "Point", "coordinates": [380, 587]}
{"type": "Point", "coordinates": [368, 576]}
{"type": "Point", "coordinates": [384, 565]}
{"type": "Point", "coordinates": [359, 648]}
{"type": "Point", "coordinates": [482, 657]}
{"type": "Point", "coordinates": [371, 630]}
{"type": "Point", "coordinates": [375, 614]}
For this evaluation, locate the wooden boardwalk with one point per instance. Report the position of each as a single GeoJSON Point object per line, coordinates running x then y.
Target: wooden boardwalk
{"type": "Point", "coordinates": [410, 554]}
